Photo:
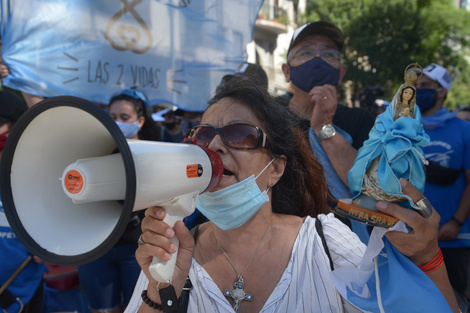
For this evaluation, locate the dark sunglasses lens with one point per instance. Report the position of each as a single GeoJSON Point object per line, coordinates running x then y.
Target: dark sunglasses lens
{"type": "Point", "coordinates": [203, 135]}
{"type": "Point", "coordinates": [241, 136]}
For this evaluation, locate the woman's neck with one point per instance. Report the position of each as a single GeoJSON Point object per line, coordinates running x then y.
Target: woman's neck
{"type": "Point", "coordinates": [248, 234]}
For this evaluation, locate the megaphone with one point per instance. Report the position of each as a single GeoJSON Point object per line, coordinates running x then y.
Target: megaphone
{"type": "Point", "coordinates": [70, 181]}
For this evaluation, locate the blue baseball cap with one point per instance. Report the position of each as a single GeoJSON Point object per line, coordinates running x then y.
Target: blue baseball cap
{"type": "Point", "coordinates": [135, 94]}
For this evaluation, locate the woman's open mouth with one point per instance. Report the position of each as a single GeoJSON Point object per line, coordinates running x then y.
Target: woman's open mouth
{"type": "Point", "coordinates": [228, 173]}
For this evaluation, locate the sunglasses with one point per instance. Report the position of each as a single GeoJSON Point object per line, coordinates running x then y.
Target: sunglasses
{"type": "Point", "coordinates": [236, 136]}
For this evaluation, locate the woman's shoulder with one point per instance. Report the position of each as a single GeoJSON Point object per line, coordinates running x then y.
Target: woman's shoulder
{"type": "Point", "coordinates": [344, 245]}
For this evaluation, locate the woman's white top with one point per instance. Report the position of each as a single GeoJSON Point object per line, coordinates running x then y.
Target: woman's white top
{"type": "Point", "coordinates": [306, 284]}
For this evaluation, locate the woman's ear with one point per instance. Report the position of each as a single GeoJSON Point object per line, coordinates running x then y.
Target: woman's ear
{"type": "Point", "coordinates": [279, 165]}
{"type": "Point", "coordinates": [141, 121]}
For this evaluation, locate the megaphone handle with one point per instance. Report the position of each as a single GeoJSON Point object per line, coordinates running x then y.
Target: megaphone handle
{"type": "Point", "coordinates": [177, 209]}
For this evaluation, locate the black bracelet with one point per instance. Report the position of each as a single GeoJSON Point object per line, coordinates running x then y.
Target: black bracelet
{"type": "Point", "coordinates": [457, 221]}
{"type": "Point", "coordinates": [150, 303]}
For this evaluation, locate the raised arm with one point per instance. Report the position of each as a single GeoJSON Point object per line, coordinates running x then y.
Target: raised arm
{"type": "Point", "coordinates": [451, 229]}
{"type": "Point", "coordinates": [340, 152]}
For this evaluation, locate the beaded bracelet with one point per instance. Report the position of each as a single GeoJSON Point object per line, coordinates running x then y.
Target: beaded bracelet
{"type": "Point", "coordinates": [434, 264]}
{"type": "Point", "coordinates": [150, 303]}
{"type": "Point", "coordinates": [169, 299]}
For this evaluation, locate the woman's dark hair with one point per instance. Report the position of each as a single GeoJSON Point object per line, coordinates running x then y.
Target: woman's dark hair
{"type": "Point", "coordinates": [149, 130]}
{"type": "Point", "coordinates": [302, 189]}
{"type": "Point", "coordinates": [407, 87]}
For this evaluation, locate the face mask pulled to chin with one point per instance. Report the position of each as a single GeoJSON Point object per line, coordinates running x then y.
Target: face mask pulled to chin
{"type": "Point", "coordinates": [233, 206]}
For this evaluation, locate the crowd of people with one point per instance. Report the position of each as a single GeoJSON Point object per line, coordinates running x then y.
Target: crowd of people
{"type": "Point", "coordinates": [264, 239]}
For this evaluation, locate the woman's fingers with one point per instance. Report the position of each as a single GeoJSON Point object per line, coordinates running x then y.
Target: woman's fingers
{"type": "Point", "coordinates": [156, 212]}
{"type": "Point", "coordinates": [410, 190]}
{"type": "Point", "coordinates": [185, 251]}
{"type": "Point", "coordinates": [157, 239]}
{"type": "Point", "coordinates": [410, 217]}
{"type": "Point", "coordinates": [420, 245]}
{"type": "Point", "coordinates": [156, 233]}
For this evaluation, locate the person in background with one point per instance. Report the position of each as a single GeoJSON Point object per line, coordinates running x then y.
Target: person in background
{"type": "Point", "coordinates": [448, 172]}
{"type": "Point", "coordinates": [255, 72]}
{"type": "Point", "coordinates": [368, 99]}
{"type": "Point", "coordinates": [188, 119]}
{"type": "Point", "coordinates": [464, 113]}
{"type": "Point", "coordinates": [25, 292]}
{"type": "Point", "coordinates": [129, 110]}
{"type": "Point", "coordinates": [28, 98]}
{"type": "Point", "coordinates": [108, 281]}
{"type": "Point", "coordinates": [335, 131]}
{"type": "Point", "coordinates": [171, 129]}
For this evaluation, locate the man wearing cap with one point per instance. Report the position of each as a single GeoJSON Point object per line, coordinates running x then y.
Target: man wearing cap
{"type": "Point", "coordinates": [336, 132]}
{"type": "Point", "coordinates": [448, 174]}
{"type": "Point", "coordinates": [25, 292]}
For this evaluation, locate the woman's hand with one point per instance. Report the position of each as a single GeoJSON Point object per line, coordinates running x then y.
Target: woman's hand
{"type": "Point", "coordinates": [156, 236]}
{"type": "Point", "coordinates": [420, 245]}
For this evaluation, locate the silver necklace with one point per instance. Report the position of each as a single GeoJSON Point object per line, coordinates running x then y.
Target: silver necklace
{"type": "Point", "coordinates": [238, 294]}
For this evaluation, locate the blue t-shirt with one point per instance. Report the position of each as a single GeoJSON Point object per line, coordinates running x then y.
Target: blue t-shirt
{"type": "Point", "coordinates": [12, 254]}
{"type": "Point", "coordinates": [450, 147]}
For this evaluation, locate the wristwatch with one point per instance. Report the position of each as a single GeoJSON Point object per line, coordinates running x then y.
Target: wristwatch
{"type": "Point", "coordinates": [327, 131]}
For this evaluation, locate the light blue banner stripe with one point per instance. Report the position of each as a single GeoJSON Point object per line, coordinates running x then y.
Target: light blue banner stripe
{"type": "Point", "coordinates": [176, 51]}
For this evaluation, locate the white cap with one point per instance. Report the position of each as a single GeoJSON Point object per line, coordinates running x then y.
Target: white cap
{"type": "Point", "coordinates": [439, 74]}
{"type": "Point", "coordinates": [158, 116]}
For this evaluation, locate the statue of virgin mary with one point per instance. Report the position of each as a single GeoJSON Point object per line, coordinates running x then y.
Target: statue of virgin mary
{"type": "Point", "coordinates": [393, 151]}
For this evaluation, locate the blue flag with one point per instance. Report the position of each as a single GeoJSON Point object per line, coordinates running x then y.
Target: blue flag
{"type": "Point", "coordinates": [176, 51]}
{"type": "Point", "coordinates": [388, 281]}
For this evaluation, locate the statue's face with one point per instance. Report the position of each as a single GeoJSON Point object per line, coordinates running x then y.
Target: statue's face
{"type": "Point", "coordinates": [407, 95]}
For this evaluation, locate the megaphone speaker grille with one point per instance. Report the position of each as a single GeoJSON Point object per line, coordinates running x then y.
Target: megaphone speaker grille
{"type": "Point", "coordinates": [46, 139]}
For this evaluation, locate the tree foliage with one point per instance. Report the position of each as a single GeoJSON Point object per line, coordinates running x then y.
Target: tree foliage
{"type": "Point", "coordinates": [384, 36]}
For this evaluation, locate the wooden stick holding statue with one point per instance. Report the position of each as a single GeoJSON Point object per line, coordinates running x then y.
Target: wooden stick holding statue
{"type": "Point", "coordinates": [393, 151]}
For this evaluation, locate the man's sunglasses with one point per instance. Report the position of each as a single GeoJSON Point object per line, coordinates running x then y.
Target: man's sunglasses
{"type": "Point", "coordinates": [236, 136]}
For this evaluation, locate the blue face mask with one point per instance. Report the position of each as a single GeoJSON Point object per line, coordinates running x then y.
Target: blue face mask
{"type": "Point", "coordinates": [425, 98]}
{"type": "Point", "coordinates": [315, 72]}
{"type": "Point", "coordinates": [231, 207]}
{"type": "Point", "coordinates": [128, 129]}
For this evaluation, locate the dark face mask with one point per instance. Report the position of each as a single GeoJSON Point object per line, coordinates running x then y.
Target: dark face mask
{"type": "Point", "coordinates": [315, 72]}
{"type": "Point", "coordinates": [170, 125]}
{"type": "Point", "coordinates": [425, 98]}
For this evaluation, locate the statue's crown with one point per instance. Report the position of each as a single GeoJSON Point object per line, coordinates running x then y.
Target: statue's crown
{"type": "Point", "coordinates": [411, 75]}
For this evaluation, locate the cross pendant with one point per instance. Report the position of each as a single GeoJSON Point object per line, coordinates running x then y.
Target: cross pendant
{"type": "Point", "coordinates": [238, 294]}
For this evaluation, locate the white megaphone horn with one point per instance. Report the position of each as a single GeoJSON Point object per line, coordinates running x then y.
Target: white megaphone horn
{"type": "Point", "coordinates": [70, 181]}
